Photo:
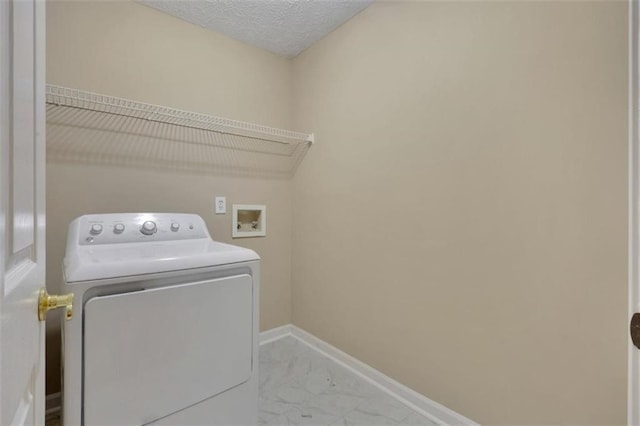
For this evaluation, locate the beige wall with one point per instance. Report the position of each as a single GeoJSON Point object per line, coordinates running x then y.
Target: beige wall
{"type": "Point", "coordinates": [461, 223]}
{"type": "Point", "coordinates": [129, 50]}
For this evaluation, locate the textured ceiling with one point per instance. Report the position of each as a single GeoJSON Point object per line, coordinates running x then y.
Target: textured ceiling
{"type": "Point", "coordinates": [284, 27]}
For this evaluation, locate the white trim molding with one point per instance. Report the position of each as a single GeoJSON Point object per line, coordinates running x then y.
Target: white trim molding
{"type": "Point", "coordinates": [274, 334]}
{"type": "Point", "coordinates": [418, 402]}
{"type": "Point", "coordinates": [633, 393]}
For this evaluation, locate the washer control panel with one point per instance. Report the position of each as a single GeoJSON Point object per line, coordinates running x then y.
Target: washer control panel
{"type": "Point", "coordinates": [114, 228]}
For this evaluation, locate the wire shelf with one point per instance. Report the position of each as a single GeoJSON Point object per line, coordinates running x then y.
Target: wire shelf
{"type": "Point", "coordinates": [93, 128]}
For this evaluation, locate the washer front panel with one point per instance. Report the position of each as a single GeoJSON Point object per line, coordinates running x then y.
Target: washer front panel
{"type": "Point", "coordinates": [151, 353]}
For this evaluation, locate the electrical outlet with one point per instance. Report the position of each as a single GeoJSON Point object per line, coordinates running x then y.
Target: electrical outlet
{"type": "Point", "coordinates": [221, 205]}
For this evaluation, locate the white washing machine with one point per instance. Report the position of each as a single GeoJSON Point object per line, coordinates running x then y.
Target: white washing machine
{"type": "Point", "coordinates": [165, 324]}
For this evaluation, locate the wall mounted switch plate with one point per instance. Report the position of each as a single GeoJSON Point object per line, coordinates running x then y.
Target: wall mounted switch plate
{"type": "Point", "coordinates": [221, 205]}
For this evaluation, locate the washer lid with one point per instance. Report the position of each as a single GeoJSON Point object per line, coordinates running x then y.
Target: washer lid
{"type": "Point", "coordinates": [111, 253]}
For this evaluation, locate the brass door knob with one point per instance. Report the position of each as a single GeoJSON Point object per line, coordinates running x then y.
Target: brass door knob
{"type": "Point", "coordinates": [46, 302]}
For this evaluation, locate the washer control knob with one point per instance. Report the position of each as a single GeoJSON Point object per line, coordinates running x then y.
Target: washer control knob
{"type": "Point", "coordinates": [118, 228]}
{"type": "Point", "coordinates": [148, 228]}
{"type": "Point", "coordinates": [95, 229]}
{"type": "Point", "coordinates": [175, 226]}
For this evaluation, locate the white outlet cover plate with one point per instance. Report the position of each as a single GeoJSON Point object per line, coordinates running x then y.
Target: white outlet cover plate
{"type": "Point", "coordinates": [221, 205]}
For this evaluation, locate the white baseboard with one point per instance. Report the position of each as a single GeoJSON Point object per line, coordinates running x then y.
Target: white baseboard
{"type": "Point", "coordinates": [273, 334]}
{"type": "Point", "coordinates": [418, 402]}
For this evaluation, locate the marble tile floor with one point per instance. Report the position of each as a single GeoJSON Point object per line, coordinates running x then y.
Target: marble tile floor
{"type": "Point", "coordinates": [301, 387]}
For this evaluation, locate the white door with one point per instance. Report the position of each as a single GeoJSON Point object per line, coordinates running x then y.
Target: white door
{"type": "Point", "coordinates": [22, 214]}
